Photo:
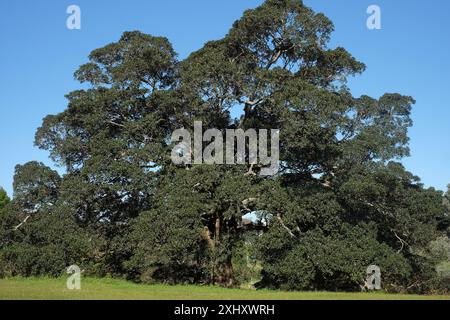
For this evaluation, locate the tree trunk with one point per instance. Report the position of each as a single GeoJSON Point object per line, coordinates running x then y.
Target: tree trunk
{"type": "Point", "coordinates": [222, 268]}
{"type": "Point", "coordinates": [225, 274]}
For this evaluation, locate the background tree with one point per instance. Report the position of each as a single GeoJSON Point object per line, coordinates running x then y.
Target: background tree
{"type": "Point", "coordinates": [4, 199]}
{"type": "Point", "coordinates": [37, 235]}
{"type": "Point", "coordinates": [35, 187]}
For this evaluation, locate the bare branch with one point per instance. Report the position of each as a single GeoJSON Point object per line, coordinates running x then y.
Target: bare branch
{"type": "Point", "coordinates": [285, 227]}
{"type": "Point", "coordinates": [403, 242]}
{"type": "Point", "coordinates": [22, 223]}
{"type": "Point", "coordinates": [115, 124]}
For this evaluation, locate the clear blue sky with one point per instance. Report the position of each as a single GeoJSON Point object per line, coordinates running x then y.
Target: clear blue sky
{"type": "Point", "coordinates": [38, 56]}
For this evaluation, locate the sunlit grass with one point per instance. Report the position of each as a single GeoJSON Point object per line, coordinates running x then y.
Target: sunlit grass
{"type": "Point", "coordinates": [101, 289]}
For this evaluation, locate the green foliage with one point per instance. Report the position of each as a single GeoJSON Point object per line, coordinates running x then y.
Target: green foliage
{"type": "Point", "coordinates": [37, 235]}
{"type": "Point", "coordinates": [246, 266]}
{"type": "Point", "coordinates": [167, 240]}
{"type": "Point", "coordinates": [317, 261]}
{"type": "Point", "coordinates": [45, 245]}
{"type": "Point", "coordinates": [339, 203]}
{"type": "Point", "coordinates": [4, 199]}
{"type": "Point", "coordinates": [373, 215]}
{"type": "Point", "coordinates": [35, 187]}
{"type": "Point", "coordinates": [190, 233]}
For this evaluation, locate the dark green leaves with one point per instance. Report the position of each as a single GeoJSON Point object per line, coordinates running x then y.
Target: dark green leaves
{"type": "Point", "coordinates": [36, 187]}
{"type": "Point", "coordinates": [137, 60]}
{"type": "Point", "coordinates": [337, 205]}
{"type": "Point", "coordinates": [4, 199]}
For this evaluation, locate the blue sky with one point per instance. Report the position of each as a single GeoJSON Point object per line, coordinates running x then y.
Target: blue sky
{"type": "Point", "coordinates": [38, 56]}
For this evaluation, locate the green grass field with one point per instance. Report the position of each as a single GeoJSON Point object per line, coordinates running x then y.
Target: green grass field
{"type": "Point", "coordinates": [101, 289]}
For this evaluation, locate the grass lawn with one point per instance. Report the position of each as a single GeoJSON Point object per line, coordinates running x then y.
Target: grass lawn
{"type": "Point", "coordinates": [100, 289]}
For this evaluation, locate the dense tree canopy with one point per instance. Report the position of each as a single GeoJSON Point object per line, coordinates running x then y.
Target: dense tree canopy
{"type": "Point", "coordinates": [38, 236]}
{"type": "Point", "coordinates": [339, 203]}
